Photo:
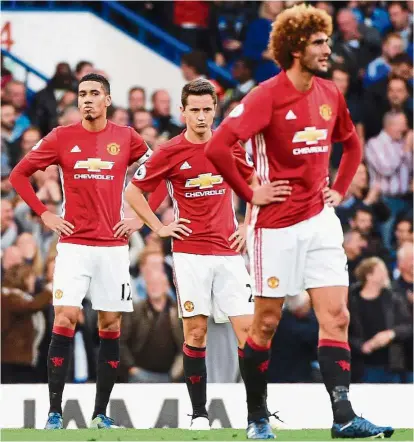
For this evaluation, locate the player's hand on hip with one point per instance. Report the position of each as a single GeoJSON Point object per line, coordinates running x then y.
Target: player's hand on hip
{"type": "Point", "coordinates": [239, 238]}
{"type": "Point", "coordinates": [127, 227]}
{"type": "Point", "coordinates": [275, 192]}
{"type": "Point", "coordinates": [57, 223]}
{"type": "Point", "coordinates": [175, 229]}
{"type": "Point", "coordinates": [331, 197]}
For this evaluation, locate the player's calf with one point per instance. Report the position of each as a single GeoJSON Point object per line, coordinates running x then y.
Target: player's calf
{"type": "Point", "coordinates": [108, 361]}
{"type": "Point", "coordinates": [58, 361]}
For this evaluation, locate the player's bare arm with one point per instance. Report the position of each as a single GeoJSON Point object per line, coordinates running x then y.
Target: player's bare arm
{"type": "Point", "coordinates": [137, 201]}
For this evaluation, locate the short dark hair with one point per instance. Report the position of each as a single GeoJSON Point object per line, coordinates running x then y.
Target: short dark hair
{"type": "Point", "coordinates": [393, 77]}
{"type": "Point", "coordinates": [196, 60]}
{"type": "Point", "coordinates": [401, 58]}
{"type": "Point", "coordinates": [198, 87]}
{"type": "Point", "coordinates": [80, 65]}
{"type": "Point", "coordinates": [99, 79]}
{"type": "Point", "coordinates": [403, 5]}
{"type": "Point", "coordinates": [405, 219]}
{"type": "Point", "coordinates": [340, 68]}
{"type": "Point", "coordinates": [136, 88]}
{"type": "Point", "coordinates": [363, 210]}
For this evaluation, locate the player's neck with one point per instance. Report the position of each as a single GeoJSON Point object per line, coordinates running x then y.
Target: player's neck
{"type": "Point", "coordinates": [95, 125]}
{"type": "Point", "coordinates": [195, 138]}
{"type": "Point", "coordinates": [301, 80]}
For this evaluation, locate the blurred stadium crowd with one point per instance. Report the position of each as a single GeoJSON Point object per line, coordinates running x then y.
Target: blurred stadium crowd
{"type": "Point", "coordinates": [372, 66]}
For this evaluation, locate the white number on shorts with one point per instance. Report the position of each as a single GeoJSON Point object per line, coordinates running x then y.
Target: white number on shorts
{"type": "Point", "coordinates": [251, 299]}
{"type": "Point", "coordinates": [123, 292]}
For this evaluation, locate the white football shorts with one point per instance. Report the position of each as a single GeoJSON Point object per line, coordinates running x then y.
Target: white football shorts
{"type": "Point", "coordinates": [288, 260]}
{"type": "Point", "coordinates": [212, 285]}
{"type": "Point", "coordinates": [100, 272]}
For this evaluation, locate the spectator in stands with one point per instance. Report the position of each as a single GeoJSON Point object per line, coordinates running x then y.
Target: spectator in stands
{"type": "Point", "coordinates": [389, 157]}
{"type": "Point", "coordinates": [120, 116]}
{"type": "Point", "coordinates": [360, 194]}
{"type": "Point", "coordinates": [379, 68]}
{"type": "Point", "coordinates": [294, 346]}
{"type": "Point", "coordinates": [242, 71]}
{"type": "Point", "coordinates": [7, 191]}
{"type": "Point", "coordinates": [22, 324]}
{"type": "Point", "coordinates": [340, 76]}
{"type": "Point", "coordinates": [31, 136]}
{"type": "Point", "coordinates": [194, 66]}
{"type": "Point", "coordinates": [9, 149]}
{"type": "Point", "coordinates": [12, 256]}
{"type": "Point", "coordinates": [136, 100]}
{"type": "Point", "coordinates": [151, 336]}
{"type": "Point", "coordinates": [404, 231]}
{"type": "Point", "coordinates": [150, 260]}
{"type": "Point", "coordinates": [15, 93]}
{"type": "Point", "coordinates": [149, 134]}
{"type": "Point", "coordinates": [9, 229]}
{"type": "Point", "coordinates": [69, 99]}
{"type": "Point", "coordinates": [70, 115]}
{"type": "Point", "coordinates": [43, 112]}
{"type": "Point", "coordinates": [233, 18]}
{"type": "Point", "coordinates": [403, 286]}
{"type": "Point", "coordinates": [380, 324]}
{"type": "Point", "coordinates": [141, 119]}
{"type": "Point", "coordinates": [354, 245]}
{"type": "Point", "coordinates": [82, 68]}
{"type": "Point", "coordinates": [388, 94]}
{"type": "Point", "coordinates": [369, 13]}
{"type": "Point", "coordinates": [400, 21]}
{"type": "Point", "coordinates": [161, 114]}
{"type": "Point", "coordinates": [354, 45]}
{"type": "Point", "coordinates": [257, 39]}
{"type": "Point", "coordinates": [8, 121]}
{"type": "Point", "coordinates": [30, 252]}
{"type": "Point", "coordinates": [362, 220]}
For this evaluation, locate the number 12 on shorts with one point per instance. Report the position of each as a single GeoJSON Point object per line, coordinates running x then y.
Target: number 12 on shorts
{"type": "Point", "coordinates": [128, 287]}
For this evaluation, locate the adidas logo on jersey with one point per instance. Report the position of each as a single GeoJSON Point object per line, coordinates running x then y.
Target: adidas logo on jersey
{"type": "Point", "coordinates": [76, 149]}
{"type": "Point", "coordinates": [290, 116]}
{"type": "Point", "coordinates": [185, 166]}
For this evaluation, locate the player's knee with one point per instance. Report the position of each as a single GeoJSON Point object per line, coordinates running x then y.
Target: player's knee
{"type": "Point", "coordinates": [110, 323]}
{"type": "Point", "coordinates": [196, 335]}
{"type": "Point", "coordinates": [337, 321]}
{"type": "Point", "coordinates": [66, 318]}
{"type": "Point", "coordinates": [268, 325]}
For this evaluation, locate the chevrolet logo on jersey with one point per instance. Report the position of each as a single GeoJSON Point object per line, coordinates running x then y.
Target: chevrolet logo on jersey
{"type": "Point", "coordinates": [94, 165]}
{"type": "Point", "coordinates": [310, 135]}
{"type": "Point", "coordinates": [204, 181]}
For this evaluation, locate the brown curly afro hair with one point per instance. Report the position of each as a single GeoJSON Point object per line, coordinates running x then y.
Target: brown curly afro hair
{"type": "Point", "coordinates": [292, 29]}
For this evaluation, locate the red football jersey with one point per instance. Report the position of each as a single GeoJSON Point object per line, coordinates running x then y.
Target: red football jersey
{"type": "Point", "coordinates": [93, 167]}
{"type": "Point", "coordinates": [291, 134]}
{"type": "Point", "coordinates": [197, 191]}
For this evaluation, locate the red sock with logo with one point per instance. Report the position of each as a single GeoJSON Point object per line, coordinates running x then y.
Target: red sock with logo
{"type": "Point", "coordinates": [195, 374]}
{"type": "Point", "coordinates": [106, 373]}
{"type": "Point", "coordinates": [256, 364]}
{"type": "Point", "coordinates": [335, 365]}
{"type": "Point", "coordinates": [58, 362]}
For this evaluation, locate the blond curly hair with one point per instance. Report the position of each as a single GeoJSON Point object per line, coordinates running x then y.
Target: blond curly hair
{"type": "Point", "coordinates": [292, 29]}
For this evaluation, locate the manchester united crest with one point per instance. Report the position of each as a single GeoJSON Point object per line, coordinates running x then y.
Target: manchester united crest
{"type": "Point", "coordinates": [188, 306]}
{"type": "Point", "coordinates": [113, 148]}
{"type": "Point", "coordinates": [325, 112]}
{"type": "Point", "coordinates": [273, 282]}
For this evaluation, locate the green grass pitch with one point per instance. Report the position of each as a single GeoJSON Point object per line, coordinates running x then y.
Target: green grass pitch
{"type": "Point", "coordinates": [170, 434]}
